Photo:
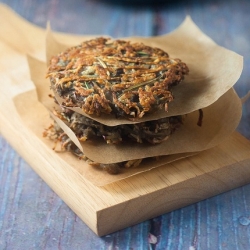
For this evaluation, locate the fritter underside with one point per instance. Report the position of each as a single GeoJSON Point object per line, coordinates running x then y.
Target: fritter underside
{"type": "Point", "coordinates": [119, 77]}
{"type": "Point", "coordinates": [87, 129]}
{"type": "Point", "coordinates": [54, 132]}
{"type": "Point", "coordinates": [152, 132]}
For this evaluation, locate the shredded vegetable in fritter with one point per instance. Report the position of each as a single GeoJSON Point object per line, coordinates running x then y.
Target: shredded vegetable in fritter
{"type": "Point", "coordinates": [114, 76]}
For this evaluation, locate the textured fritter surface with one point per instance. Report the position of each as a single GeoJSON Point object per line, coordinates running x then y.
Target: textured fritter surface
{"type": "Point", "coordinates": [114, 76]}
{"type": "Point", "coordinates": [55, 133]}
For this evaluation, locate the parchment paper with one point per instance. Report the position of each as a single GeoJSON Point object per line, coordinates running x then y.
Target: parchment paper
{"type": "Point", "coordinates": [220, 119]}
{"type": "Point", "coordinates": [26, 38]}
{"type": "Point", "coordinates": [36, 117]}
{"type": "Point", "coordinates": [213, 70]}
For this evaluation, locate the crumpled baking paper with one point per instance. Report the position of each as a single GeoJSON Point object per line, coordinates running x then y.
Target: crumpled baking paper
{"type": "Point", "coordinates": [213, 72]}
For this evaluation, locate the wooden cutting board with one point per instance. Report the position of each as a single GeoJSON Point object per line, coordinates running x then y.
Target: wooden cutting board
{"type": "Point", "coordinates": [123, 203]}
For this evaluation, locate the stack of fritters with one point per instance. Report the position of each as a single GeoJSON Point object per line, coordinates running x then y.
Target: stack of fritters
{"type": "Point", "coordinates": [105, 77]}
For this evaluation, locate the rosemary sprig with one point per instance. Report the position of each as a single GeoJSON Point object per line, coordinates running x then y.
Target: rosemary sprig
{"type": "Point", "coordinates": [142, 53]}
{"type": "Point", "coordinates": [86, 85]}
{"type": "Point", "coordinates": [143, 83]}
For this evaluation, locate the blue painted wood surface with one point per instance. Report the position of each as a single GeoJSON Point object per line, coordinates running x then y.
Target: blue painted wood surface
{"type": "Point", "coordinates": [32, 216]}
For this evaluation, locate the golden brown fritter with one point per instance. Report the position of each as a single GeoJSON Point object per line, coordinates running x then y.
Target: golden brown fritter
{"type": "Point", "coordinates": [115, 76]}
